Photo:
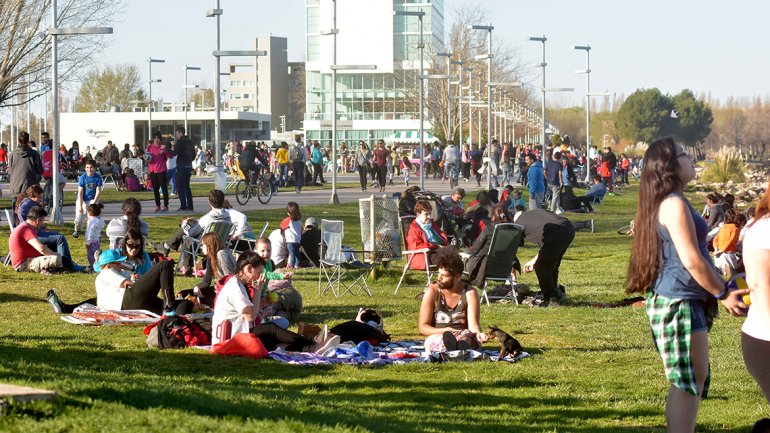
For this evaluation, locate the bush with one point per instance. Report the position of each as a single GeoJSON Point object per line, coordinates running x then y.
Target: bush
{"type": "Point", "coordinates": [637, 149]}
{"type": "Point", "coordinates": [727, 166]}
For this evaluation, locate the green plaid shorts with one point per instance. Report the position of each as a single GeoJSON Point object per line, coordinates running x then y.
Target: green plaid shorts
{"type": "Point", "coordinates": [671, 329]}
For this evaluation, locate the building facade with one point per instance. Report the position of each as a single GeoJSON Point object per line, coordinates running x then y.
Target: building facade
{"type": "Point", "coordinates": [371, 104]}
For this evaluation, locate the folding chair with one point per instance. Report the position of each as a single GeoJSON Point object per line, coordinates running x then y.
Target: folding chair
{"type": "Point", "coordinates": [406, 221]}
{"type": "Point", "coordinates": [9, 217]}
{"type": "Point", "coordinates": [191, 245]}
{"type": "Point", "coordinates": [506, 239]}
{"type": "Point", "coordinates": [335, 266]}
{"type": "Point", "coordinates": [251, 240]}
{"type": "Point", "coordinates": [108, 178]}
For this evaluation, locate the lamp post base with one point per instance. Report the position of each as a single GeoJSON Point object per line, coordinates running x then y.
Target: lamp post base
{"type": "Point", "coordinates": [334, 199]}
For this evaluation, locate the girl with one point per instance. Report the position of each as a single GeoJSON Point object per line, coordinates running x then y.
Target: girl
{"type": "Point", "coordinates": [220, 262]}
{"type": "Point", "coordinates": [363, 158]}
{"type": "Point", "coordinates": [670, 263]}
{"type": "Point", "coordinates": [94, 231]}
{"type": "Point", "coordinates": [132, 181]}
{"type": "Point", "coordinates": [157, 169]}
{"type": "Point", "coordinates": [292, 226]}
{"type": "Point", "coordinates": [406, 169]}
{"type": "Point", "coordinates": [238, 303]}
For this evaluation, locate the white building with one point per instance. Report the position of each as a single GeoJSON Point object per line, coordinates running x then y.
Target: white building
{"type": "Point", "coordinates": [370, 104]}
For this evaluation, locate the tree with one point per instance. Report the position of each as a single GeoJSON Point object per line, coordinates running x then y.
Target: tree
{"type": "Point", "coordinates": [694, 119]}
{"type": "Point", "coordinates": [114, 86]}
{"type": "Point", "coordinates": [25, 51]}
{"type": "Point", "coordinates": [645, 116]}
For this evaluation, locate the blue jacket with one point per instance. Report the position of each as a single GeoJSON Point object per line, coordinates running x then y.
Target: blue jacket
{"type": "Point", "coordinates": [317, 157]}
{"type": "Point", "coordinates": [535, 178]}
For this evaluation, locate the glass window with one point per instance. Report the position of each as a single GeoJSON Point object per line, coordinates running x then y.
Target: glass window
{"type": "Point", "coordinates": [313, 48]}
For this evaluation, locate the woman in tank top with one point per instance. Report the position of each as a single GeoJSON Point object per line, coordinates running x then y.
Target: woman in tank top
{"type": "Point", "coordinates": [670, 263]}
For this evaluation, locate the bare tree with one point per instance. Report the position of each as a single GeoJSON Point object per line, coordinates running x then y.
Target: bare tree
{"type": "Point", "coordinates": [25, 49]}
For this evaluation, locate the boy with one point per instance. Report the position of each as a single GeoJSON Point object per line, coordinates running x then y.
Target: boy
{"type": "Point", "coordinates": [89, 188]}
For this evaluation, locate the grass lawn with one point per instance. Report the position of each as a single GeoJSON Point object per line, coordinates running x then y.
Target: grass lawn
{"type": "Point", "coordinates": [592, 370]}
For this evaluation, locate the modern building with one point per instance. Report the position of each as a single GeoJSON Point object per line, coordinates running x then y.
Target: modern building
{"type": "Point", "coordinates": [94, 129]}
{"type": "Point", "coordinates": [266, 89]}
{"type": "Point", "coordinates": [371, 104]}
{"type": "Point", "coordinates": [297, 95]}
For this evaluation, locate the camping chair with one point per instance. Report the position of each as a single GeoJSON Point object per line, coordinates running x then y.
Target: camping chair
{"type": "Point", "coordinates": [192, 245]}
{"type": "Point", "coordinates": [506, 239]}
{"type": "Point", "coordinates": [336, 264]}
{"type": "Point", "coordinates": [406, 221]}
{"type": "Point", "coordinates": [9, 217]}
{"type": "Point", "coordinates": [108, 178]}
{"type": "Point", "coordinates": [249, 239]}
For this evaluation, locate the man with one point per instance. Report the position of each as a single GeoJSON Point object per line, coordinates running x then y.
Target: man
{"type": "Point", "coordinates": [317, 159]}
{"type": "Point", "coordinates": [24, 168]}
{"type": "Point", "coordinates": [553, 171]}
{"type": "Point", "coordinates": [185, 153]}
{"type": "Point", "coordinates": [45, 142]}
{"type": "Point", "coordinates": [28, 254]}
{"type": "Point", "coordinates": [609, 162]}
{"type": "Point", "coordinates": [279, 251]}
{"type": "Point", "coordinates": [554, 234]}
{"type": "Point", "coordinates": [111, 152]}
{"type": "Point", "coordinates": [311, 241]}
{"type": "Point", "coordinates": [298, 158]}
{"type": "Point", "coordinates": [535, 181]}
{"type": "Point", "coordinates": [451, 158]}
{"type": "Point", "coordinates": [241, 228]}
{"type": "Point", "coordinates": [453, 203]}
{"type": "Point", "coordinates": [494, 153]}
{"type": "Point", "coordinates": [597, 190]}
{"type": "Point", "coordinates": [435, 158]}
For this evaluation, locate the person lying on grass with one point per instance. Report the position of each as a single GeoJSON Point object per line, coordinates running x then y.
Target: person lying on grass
{"type": "Point", "coordinates": [238, 303]}
{"type": "Point", "coordinates": [449, 313]}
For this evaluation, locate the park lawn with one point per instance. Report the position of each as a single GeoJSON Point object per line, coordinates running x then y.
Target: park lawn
{"type": "Point", "coordinates": [592, 369]}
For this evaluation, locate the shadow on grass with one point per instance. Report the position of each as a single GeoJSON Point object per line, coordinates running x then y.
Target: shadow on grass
{"type": "Point", "coordinates": [14, 297]}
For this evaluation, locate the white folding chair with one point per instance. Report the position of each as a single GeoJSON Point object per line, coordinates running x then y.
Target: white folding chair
{"type": "Point", "coordinates": [335, 265]}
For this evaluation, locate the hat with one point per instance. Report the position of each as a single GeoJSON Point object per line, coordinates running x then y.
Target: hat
{"type": "Point", "coordinates": [107, 257]}
{"type": "Point", "coordinates": [311, 222]}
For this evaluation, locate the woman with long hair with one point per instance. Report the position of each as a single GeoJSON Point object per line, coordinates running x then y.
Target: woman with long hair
{"type": "Point", "coordinates": [756, 328]}
{"type": "Point", "coordinates": [363, 158]}
{"type": "Point", "coordinates": [157, 169]}
{"type": "Point", "coordinates": [220, 262]}
{"type": "Point", "coordinates": [670, 263]}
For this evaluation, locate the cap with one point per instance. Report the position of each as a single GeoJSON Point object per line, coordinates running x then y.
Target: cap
{"type": "Point", "coordinates": [311, 222]}
{"type": "Point", "coordinates": [107, 257]}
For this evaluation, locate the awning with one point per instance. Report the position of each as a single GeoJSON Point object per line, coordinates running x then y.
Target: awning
{"type": "Point", "coordinates": [410, 137]}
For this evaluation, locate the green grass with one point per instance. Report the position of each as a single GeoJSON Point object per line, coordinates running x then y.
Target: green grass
{"type": "Point", "coordinates": [592, 370]}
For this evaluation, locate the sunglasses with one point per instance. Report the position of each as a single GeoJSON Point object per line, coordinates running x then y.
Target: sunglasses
{"type": "Point", "coordinates": [133, 245]}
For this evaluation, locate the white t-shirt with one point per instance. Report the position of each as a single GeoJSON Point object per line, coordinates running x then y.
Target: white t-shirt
{"type": "Point", "coordinates": [171, 163]}
{"type": "Point", "coordinates": [109, 294]}
{"type": "Point", "coordinates": [294, 232]}
{"type": "Point", "coordinates": [230, 303]}
{"type": "Point", "coordinates": [94, 229]}
{"type": "Point", "coordinates": [279, 252]}
{"type": "Point", "coordinates": [757, 323]}
{"type": "Point", "coordinates": [240, 222]}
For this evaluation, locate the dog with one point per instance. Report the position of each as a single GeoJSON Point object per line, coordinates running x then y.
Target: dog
{"type": "Point", "coordinates": [508, 344]}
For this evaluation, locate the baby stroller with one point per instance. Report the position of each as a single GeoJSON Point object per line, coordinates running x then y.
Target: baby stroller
{"type": "Point", "coordinates": [441, 215]}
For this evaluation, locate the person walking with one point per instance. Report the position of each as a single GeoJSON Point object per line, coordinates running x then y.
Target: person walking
{"type": "Point", "coordinates": [317, 159]}
{"type": "Point", "coordinates": [298, 158]}
{"type": "Point", "coordinates": [185, 153]}
{"type": "Point", "coordinates": [24, 167]}
{"type": "Point", "coordinates": [363, 159]}
{"type": "Point", "coordinates": [553, 173]}
{"type": "Point", "coordinates": [535, 181]}
{"type": "Point", "coordinates": [670, 264]}
{"type": "Point", "coordinates": [381, 163]}
{"type": "Point", "coordinates": [158, 154]}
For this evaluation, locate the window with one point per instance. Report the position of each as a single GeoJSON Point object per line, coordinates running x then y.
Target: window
{"type": "Point", "coordinates": [247, 96]}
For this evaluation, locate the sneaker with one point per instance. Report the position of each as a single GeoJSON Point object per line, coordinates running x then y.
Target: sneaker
{"type": "Point", "coordinates": [157, 209]}
{"type": "Point", "coordinates": [559, 211]}
{"type": "Point", "coordinates": [553, 302]}
{"type": "Point", "coordinates": [450, 342]}
{"type": "Point", "coordinates": [592, 225]}
{"type": "Point", "coordinates": [181, 209]}
{"type": "Point", "coordinates": [55, 302]}
{"type": "Point", "coordinates": [78, 268]}
{"type": "Point", "coordinates": [75, 234]}
{"type": "Point", "coordinates": [329, 344]}
{"type": "Point", "coordinates": [164, 209]}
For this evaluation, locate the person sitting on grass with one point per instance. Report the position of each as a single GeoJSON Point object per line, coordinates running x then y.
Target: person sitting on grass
{"type": "Point", "coordinates": [118, 287]}
{"type": "Point", "coordinates": [287, 301]}
{"type": "Point", "coordinates": [310, 242]}
{"type": "Point", "coordinates": [280, 252]}
{"type": "Point", "coordinates": [449, 313]}
{"type": "Point", "coordinates": [238, 303]}
{"type": "Point", "coordinates": [219, 263]}
{"type": "Point", "coordinates": [132, 182]}
{"type": "Point", "coordinates": [118, 227]}
{"type": "Point", "coordinates": [28, 254]}
{"type": "Point", "coordinates": [424, 233]}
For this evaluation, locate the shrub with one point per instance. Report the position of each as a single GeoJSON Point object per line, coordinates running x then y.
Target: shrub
{"type": "Point", "coordinates": [727, 166]}
{"type": "Point", "coordinates": [637, 149]}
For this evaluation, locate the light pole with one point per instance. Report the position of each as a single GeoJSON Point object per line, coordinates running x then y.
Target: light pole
{"type": "Point", "coordinates": [487, 56]}
{"type": "Point", "coordinates": [54, 32]}
{"type": "Point", "coordinates": [150, 61]}
{"type": "Point", "coordinates": [470, 110]}
{"type": "Point", "coordinates": [334, 199]}
{"type": "Point", "coordinates": [490, 86]}
{"type": "Point", "coordinates": [587, 71]}
{"type": "Point", "coordinates": [448, 56]}
{"type": "Point", "coordinates": [543, 64]}
{"type": "Point", "coordinates": [421, 47]}
{"type": "Point", "coordinates": [187, 86]}
{"type": "Point", "coordinates": [459, 83]}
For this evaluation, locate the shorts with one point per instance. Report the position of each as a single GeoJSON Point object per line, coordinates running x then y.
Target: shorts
{"type": "Point", "coordinates": [698, 317]}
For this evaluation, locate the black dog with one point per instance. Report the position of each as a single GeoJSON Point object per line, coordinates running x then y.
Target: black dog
{"type": "Point", "coordinates": [508, 344]}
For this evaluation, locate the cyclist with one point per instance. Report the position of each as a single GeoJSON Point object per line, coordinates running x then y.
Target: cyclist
{"type": "Point", "coordinates": [451, 158]}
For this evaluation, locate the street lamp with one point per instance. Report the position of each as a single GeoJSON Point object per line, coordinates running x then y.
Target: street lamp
{"type": "Point", "coordinates": [459, 95]}
{"type": "Point", "coordinates": [188, 86]}
{"type": "Point", "coordinates": [488, 56]}
{"type": "Point", "coordinates": [543, 64]}
{"type": "Point", "coordinates": [421, 46]}
{"type": "Point", "coordinates": [334, 199]}
{"type": "Point", "coordinates": [448, 56]}
{"type": "Point", "coordinates": [470, 110]}
{"type": "Point", "coordinates": [491, 85]}
{"type": "Point", "coordinates": [150, 61]}
{"type": "Point", "coordinates": [587, 71]}
{"type": "Point", "coordinates": [55, 31]}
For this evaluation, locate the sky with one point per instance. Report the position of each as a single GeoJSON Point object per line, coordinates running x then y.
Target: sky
{"type": "Point", "coordinates": [706, 46]}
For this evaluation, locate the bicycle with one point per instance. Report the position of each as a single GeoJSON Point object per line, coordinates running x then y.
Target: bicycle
{"type": "Point", "coordinates": [254, 185]}
{"type": "Point", "coordinates": [452, 173]}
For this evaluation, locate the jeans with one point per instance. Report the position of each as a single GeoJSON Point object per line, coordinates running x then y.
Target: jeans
{"type": "Point", "coordinates": [171, 175]}
{"type": "Point", "coordinates": [159, 182]}
{"type": "Point", "coordinates": [57, 242]}
{"type": "Point", "coordinates": [283, 169]}
{"type": "Point", "coordinates": [318, 172]}
{"type": "Point", "coordinates": [362, 171]}
{"type": "Point", "coordinates": [294, 253]}
{"type": "Point", "coordinates": [183, 175]}
{"type": "Point", "coordinates": [555, 197]}
{"type": "Point", "coordinates": [536, 199]}
{"type": "Point", "coordinates": [382, 173]}
{"type": "Point", "coordinates": [143, 294]}
{"type": "Point", "coordinates": [299, 175]}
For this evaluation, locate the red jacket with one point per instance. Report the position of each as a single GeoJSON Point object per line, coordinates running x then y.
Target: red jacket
{"type": "Point", "coordinates": [415, 240]}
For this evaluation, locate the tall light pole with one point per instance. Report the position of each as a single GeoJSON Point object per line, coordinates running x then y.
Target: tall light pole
{"type": "Point", "coordinates": [54, 32]}
{"type": "Point", "coordinates": [459, 95]}
{"type": "Point", "coordinates": [542, 64]}
{"type": "Point", "coordinates": [587, 71]}
{"type": "Point", "coordinates": [334, 199]}
{"type": "Point", "coordinates": [421, 47]}
{"type": "Point", "coordinates": [187, 86]}
{"type": "Point", "coordinates": [470, 109]}
{"type": "Point", "coordinates": [150, 61]}
{"type": "Point", "coordinates": [488, 56]}
{"type": "Point", "coordinates": [448, 56]}
{"type": "Point", "coordinates": [491, 85]}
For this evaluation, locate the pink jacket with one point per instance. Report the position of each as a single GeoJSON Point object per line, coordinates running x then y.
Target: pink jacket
{"type": "Point", "coordinates": [159, 157]}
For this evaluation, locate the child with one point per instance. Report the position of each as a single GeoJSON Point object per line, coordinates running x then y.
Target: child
{"type": "Point", "coordinates": [147, 182]}
{"type": "Point", "coordinates": [132, 181]}
{"type": "Point", "coordinates": [89, 188]}
{"type": "Point", "coordinates": [264, 250]}
{"type": "Point", "coordinates": [406, 169]}
{"type": "Point", "coordinates": [94, 231]}
{"type": "Point", "coordinates": [292, 226]}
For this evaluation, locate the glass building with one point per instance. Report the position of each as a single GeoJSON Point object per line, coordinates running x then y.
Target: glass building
{"type": "Point", "coordinates": [371, 104]}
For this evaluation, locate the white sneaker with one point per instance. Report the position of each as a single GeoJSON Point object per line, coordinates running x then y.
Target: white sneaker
{"type": "Point", "coordinates": [559, 212]}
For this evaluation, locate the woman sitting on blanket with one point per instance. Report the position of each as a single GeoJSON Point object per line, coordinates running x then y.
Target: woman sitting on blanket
{"type": "Point", "coordinates": [238, 302]}
{"type": "Point", "coordinates": [423, 233]}
{"type": "Point", "coordinates": [449, 313]}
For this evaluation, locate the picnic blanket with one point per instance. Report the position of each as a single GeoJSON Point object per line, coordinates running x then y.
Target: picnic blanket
{"type": "Point", "coordinates": [91, 315]}
{"type": "Point", "coordinates": [394, 353]}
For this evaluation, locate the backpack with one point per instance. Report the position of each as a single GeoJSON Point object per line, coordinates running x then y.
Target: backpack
{"type": "Point", "coordinates": [175, 332]}
{"type": "Point", "coordinates": [295, 154]}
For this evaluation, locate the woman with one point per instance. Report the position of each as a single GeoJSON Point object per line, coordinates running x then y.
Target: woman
{"type": "Point", "coordinates": [238, 304]}
{"type": "Point", "coordinates": [476, 264]}
{"type": "Point", "coordinates": [423, 233]}
{"type": "Point", "coordinates": [220, 262]}
{"type": "Point", "coordinates": [363, 158]}
{"type": "Point", "coordinates": [74, 152]}
{"type": "Point", "coordinates": [755, 339]}
{"type": "Point", "coordinates": [670, 262]}
{"type": "Point", "coordinates": [465, 157]}
{"type": "Point", "coordinates": [118, 227]}
{"type": "Point", "coordinates": [449, 312]}
{"type": "Point", "coordinates": [157, 169]}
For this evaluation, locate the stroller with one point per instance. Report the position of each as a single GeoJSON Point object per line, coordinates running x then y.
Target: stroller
{"type": "Point", "coordinates": [441, 215]}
